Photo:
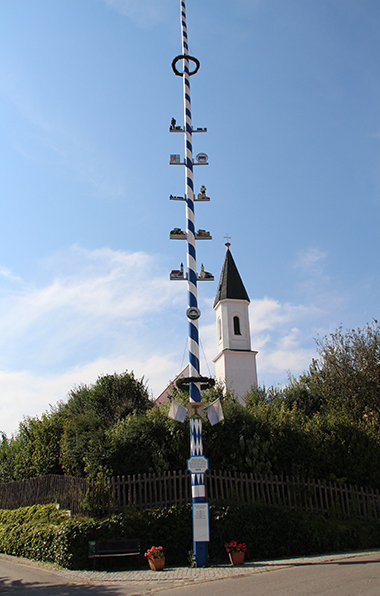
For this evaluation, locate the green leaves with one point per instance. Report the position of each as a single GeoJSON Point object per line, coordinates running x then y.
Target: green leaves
{"type": "Point", "coordinates": [72, 437]}
{"type": "Point", "coordinates": [346, 376]}
{"type": "Point", "coordinates": [326, 425]}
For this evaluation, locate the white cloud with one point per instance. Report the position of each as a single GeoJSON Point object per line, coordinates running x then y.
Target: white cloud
{"type": "Point", "coordinates": [96, 312]}
{"type": "Point", "coordinates": [282, 334]}
{"type": "Point", "coordinates": [268, 313]}
{"type": "Point", "coordinates": [315, 286]}
{"type": "Point", "coordinates": [310, 261]}
{"type": "Point", "coordinates": [5, 273]}
{"type": "Point", "coordinates": [208, 346]}
{"type": "Point", "coordinates": [101, 311]}
{"type": "Point", "coordinates": [285, 354]}
{"type": "Point", "coordinates": [282, 344]}
{"type": "Point", "coordinates": [24, 393]}
{"type": "Point", "coordinates": [103, 285]}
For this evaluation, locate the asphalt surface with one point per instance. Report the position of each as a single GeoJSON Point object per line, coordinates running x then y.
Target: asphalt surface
{"type": "Point", "coordinates": [350, 574]}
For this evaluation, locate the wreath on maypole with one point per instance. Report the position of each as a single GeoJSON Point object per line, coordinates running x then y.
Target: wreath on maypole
{"type": "Point", "coordinates": [206, 382]}
{"type": "Point", "coordinates": [187, 57]}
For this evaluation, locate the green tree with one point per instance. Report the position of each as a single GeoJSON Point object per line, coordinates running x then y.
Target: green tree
{"type": "Point", "coordinates": [148, 442]}
{"type": "Point", "coordinates": [346, 376]}
{"type": "Point", "coordinates": [111, 398]}
{"type": "Point", "coordinates": [72, 437]}
{"type": "Point", "coordinates": [34, 450]}
{"type": "Point", "coordinates": [83, 437]}
{"type": "Point", "coordinates": [6, 460]}
{"type": "Point", "coordinates": [89, 412]}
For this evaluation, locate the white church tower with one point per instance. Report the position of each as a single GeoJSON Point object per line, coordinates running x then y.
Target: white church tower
{"type": "Point", "coordinates": [235, 364]}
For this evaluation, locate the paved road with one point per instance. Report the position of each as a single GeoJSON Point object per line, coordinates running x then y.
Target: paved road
{"type": "Point", "coordinates": [336, 575]}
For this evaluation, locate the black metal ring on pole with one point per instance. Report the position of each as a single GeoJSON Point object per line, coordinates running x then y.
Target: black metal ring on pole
{"type": "Point", "coordinates": [184, 382]}
{"type": "Point", "coordinates": [191, 58]}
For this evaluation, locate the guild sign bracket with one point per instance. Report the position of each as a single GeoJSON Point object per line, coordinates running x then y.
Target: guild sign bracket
{"type": "Point", "coordinates": [195, 410]}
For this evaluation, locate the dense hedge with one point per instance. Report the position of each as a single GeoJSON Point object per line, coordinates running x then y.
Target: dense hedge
{"type": "Point", "coordinates": [45, 534]}
{"type": "Point", "coordinates": [42, 533]}
{"type": "Point", "coordinates": [272, 532]}
{"type": "Point", "coordinates": [271, 435]}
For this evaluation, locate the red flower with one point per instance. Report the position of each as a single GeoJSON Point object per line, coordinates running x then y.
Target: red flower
{"type": "Point", "coordinates": [234, 547]}
{"type": "Point", "coordinates": [156, 552]}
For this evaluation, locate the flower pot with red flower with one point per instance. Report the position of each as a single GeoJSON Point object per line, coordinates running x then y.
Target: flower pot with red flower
{"type": "Point", "coordinates": [156, 558]}
{"type": "Point", "coordinates": [236, 551]}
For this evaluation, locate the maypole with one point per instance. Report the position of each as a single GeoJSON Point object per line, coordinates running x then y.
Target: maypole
{"type": "Point", "coordinates": [197, 464]}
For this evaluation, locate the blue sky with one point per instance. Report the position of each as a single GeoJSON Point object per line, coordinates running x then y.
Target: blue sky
{"type": "Point", "coordinates": [289, 91]}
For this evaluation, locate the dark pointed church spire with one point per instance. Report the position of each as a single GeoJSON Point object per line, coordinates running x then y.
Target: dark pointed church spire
{"type": "Point", "coordinates": [230, 283]}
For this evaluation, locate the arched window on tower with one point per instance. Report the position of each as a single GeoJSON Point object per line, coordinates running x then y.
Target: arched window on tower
{"type": "Point", "coordinates": [219, 329]}
{"type": "Point", "coordinates": [237, 326]}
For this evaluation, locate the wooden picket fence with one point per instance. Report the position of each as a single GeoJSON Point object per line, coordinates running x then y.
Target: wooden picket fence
{"type": "Point", "coordinates": [65, 490]}
{"type": "Point", "coordinates": [112, 495]}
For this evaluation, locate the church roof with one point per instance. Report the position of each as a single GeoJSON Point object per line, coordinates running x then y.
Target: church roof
{"type": "Point", "coordinates": [230, 283]}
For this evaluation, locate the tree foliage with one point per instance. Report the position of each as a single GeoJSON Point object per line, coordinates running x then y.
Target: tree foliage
{"type": "Point", "coordinates": [34, 451]}
{"type": "Point", "coordinates": [111, 398]}
{"type": "Point", "coordinates": [345, 376]}
{"type": "Point", "coordinates": [72, 437]}
{"type": "Point", "coordinates": [326, 425]}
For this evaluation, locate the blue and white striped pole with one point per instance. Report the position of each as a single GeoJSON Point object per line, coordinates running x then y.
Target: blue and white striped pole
{"type": "Point", "coordinates": [196, 445]}
{"type": "Point", "coordinates": [195, 394]}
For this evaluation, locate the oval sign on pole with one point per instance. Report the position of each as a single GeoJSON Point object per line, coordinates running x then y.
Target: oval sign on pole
{"type": "Point", "coordinates": [202, 158]}
{"type": "Point", "coordinates": [193, 313]}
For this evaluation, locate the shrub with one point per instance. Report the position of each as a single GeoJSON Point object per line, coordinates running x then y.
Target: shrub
{"type": "Point", "coordinates": [270, 532]}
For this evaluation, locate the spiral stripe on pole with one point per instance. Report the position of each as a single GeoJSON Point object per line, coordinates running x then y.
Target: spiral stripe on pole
{"type": "Point", "coordinates": [196, 447]}
{"type": "Point", "coordinates": [190, 225]}
{"type": "Point", "coordinates": [196, 444]}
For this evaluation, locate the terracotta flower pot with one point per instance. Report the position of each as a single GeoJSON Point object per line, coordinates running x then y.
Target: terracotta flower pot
{"type": "Point", "coordinates": [157, 564]}
{"type": "Point", "coordinates": [237, 558]}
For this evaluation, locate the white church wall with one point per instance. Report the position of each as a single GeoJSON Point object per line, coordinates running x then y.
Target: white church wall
{"type": "Point", "coordinates": [239, 369]}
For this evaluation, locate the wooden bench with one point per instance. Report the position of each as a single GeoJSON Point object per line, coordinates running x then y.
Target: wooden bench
{"type": "Point", "coordinates": [116, 547]}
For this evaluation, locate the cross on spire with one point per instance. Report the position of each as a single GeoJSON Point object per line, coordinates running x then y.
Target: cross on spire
{"type": "Point", "coordinates": [228, 238]}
